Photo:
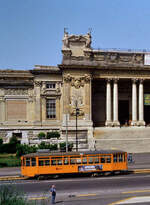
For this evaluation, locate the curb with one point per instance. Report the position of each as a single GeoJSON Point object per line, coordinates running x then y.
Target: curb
{"type": "Point", "coordinates": [9, 178]}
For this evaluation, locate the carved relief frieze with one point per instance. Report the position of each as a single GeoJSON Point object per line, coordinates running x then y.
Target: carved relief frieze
{"type": "Point", "coordinates": [99, 56]}
{"type": "Point", "coordinates": [138, 58]}
{"type": "Point", "coordinates": [16, 91]}
{"type": "Point", "coordinates": [125, 58]}
{"type": "Point", "coordinates": [76, 101]}
{"type": "Point", "coordinates": [77, 82]}
{"type": "Point", "coordinates": [112, 57]}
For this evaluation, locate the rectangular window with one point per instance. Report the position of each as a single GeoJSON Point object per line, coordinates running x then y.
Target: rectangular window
{"type": "Point", "coordinates": [51, 108]}
{"type": "Point", "coordinates": [33, 162]}
{"type": "Point", "coordinates": [50, 85]}
{"type": "Point", "coordinates": [115, 157]}
{"type": "Point", "coordinates": [84, 160]}
{"type": "Point", "coordinates": [90, 160]}
{"type": "Point", "coordinates": [27, 162]}
{"type": "Point", "coordinates": [120, 158]}
{"type": "Point", "coordinates": [41, 162]}
{"type": "Point", "coordinates": [66, 160]}
{"type": "Point", "coordinates": [47, 162]}
{"type": "Point", "coordinates": [96, 160]}
{"type": "Point", "coordinates": [72, 160]}
{"type": "Point", "coordinates": [102, 159]}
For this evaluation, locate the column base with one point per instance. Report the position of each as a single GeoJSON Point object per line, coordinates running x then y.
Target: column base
{"type": "Point", "coordinates": [109, 124]}
{"type": "Point", "coordinates": [116, 124]}
{"type": "Point", "coordinates": [134, 123]}
{"type": "Point", "coordinates": [141, 123]}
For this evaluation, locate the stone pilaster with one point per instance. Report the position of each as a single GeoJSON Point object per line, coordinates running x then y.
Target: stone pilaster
{"type": "Point", "coordinates": [37, 90]}
{"type": "Point", "coordinates": [115, 103]}
{"type": "Point", "coordinates": [141, 104]}
{"type": "Point", "coordinates": [108, 104]}
{"type": "Point", "coordinates": [134, 102]}
{"type": "Point", "coordinates": [2, 110]}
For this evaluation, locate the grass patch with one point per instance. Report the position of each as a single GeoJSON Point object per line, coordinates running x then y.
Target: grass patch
{"type": "Point", "coordinates": [10, 196]}
{"type": "Point", "coordinates": [9, 160]}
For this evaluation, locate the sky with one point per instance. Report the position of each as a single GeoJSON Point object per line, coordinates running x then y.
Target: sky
{"type": "Point", "coordinates": [31, 31]}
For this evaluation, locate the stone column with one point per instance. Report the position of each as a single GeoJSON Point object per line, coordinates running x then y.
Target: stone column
{"type": "Point", "coordinates": [108, 104]}
{"type": "Point", "coordinates": [134, 102]}
{"type": "Point", "coordinates": [115, 103]}
{"type": "Point", "coordinates": [141, 104]}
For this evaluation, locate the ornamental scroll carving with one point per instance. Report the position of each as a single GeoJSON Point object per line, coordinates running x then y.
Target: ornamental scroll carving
{"type": "Point", "coordinates": [16, 91]}
{"type": "Point", "coordinates": [67, 39]}
{"type": "Point", "coordinates": [77, 82]}
{"type": "Point", "coordinates": [38, 83]}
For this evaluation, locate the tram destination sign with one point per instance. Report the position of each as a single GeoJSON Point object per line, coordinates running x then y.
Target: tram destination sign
{"type": "Point", "coordinates": [146, 99]}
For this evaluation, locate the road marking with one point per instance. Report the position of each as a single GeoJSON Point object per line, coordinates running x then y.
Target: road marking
{"type": "Point", "coordinates": [120, 201]}
{"type": "Point", "coordinates": [134, 200]}
{"type": "Point", "coordinates": [86, 195]}
{"type": "Point", "coordinates": [136, 191]}
{"type": "Point", "coordinates": [38, 198]}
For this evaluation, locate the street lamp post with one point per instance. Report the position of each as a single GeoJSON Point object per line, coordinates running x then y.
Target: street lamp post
{"type": "Point", "coordinates": [77, 113]}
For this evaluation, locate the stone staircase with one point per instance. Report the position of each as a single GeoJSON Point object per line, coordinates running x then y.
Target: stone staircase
{"type": "Point", "coordinates": [130, 139]}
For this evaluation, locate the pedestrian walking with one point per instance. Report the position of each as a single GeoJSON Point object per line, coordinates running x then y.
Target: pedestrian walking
{"type": "Point", "coordinates": [53, 193]}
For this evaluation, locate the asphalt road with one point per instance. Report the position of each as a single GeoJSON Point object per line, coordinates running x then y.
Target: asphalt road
{"type": "Point", "coordinates": [88, 191]}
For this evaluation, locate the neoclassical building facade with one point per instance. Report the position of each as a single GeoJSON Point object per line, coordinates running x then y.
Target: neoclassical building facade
{"type": "Point", "coordinates": [110, 89]}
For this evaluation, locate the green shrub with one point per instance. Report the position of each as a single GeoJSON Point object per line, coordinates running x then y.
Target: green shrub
{"type": "Point", "coordinates": [41, 135]}
{"type": "Point", "coordinates": [51, 147]}
{"type": "Point", "coordinates": [25, 149]}
{"type": "Point", "coordinates": [1, 141]}
{"type": "Point", "coordinates": [63, 146]}
{"type": "Point", "coordinates": [54, 134]}
{"type": "Point", "coordinates": [14, 140]}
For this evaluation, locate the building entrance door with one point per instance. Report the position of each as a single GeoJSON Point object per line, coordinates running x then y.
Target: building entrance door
{"type": "Point", "coordinates": [147, 114]}
{"type": "Point", "coordinates": [123, 112]}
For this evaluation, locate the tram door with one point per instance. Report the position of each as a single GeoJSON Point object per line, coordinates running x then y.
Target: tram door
{"type": "Point", "coordinates": [123, 112]}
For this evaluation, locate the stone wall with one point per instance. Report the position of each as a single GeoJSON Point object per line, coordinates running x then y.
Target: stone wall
{"type": "Point", "coordinates": [130, 139]}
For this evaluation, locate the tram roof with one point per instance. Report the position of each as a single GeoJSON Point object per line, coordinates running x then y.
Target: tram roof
{"type": "Point", "coordinates": [73, 153]}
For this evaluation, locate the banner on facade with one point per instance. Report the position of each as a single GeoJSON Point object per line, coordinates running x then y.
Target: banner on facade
{"type": "Point", "coordinates": [147, 59]}
{"type": "Point", "coordinates": [146, 99]}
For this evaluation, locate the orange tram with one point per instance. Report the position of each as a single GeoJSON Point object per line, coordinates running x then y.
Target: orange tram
{"type": "Point", "coordinates": [59, 163]}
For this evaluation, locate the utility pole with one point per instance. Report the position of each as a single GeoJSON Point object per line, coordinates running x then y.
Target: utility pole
{"type": "Point", "coordinates": [66, 132]}
{"type": "Point", "coordinates": [77, 113]}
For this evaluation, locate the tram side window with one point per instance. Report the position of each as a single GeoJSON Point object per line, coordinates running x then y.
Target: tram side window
{"type": "Point", "coordinates": [84, 160]}
{"type": "Point", "coordinates": [53, 161]}
{"type": "Point", "coordinates": [102, 159]}
{"type": "Point", "coordinates": [33, 162]}
{"type": "Point", "coordinates": [59, 161]}
{"type": "Point", "coordinates": [96, 160]}
{"type": "Point", "coordinates": [120, 158]}
{"type": "Point", "coordinates": [72, 160]}
{"type": "Point", "coordinates": [90, 160]}
{"type": "Point", "coordinates": [108, 159]}
{"type": "Point", "coordinates": [66, 160]}
{"type": "Point", "coordinates": [41, 162]}
{"type": "Point", "coordinates": [115, 157]}
{"type": "Point", "coordinates": [78, 160]}
{"type": "Point", "coordinates": [47, 162]}
{"type": "Point", "coordinates": [27, 162]}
